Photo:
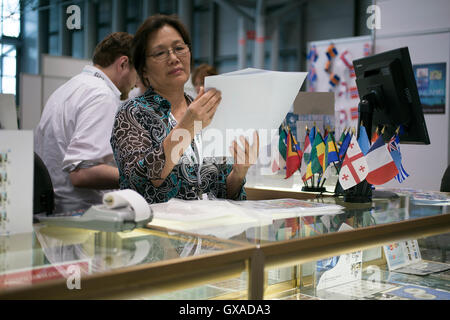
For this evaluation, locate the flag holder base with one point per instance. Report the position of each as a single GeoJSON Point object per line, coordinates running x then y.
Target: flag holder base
{"type": "Point", "coordinates": [361, 193]}
{"type": "Point", "coordinates": [313, 189]}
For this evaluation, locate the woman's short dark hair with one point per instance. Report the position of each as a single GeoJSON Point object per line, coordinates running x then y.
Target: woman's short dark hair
{"type": "Point", "coordinates": [146, 29]}
{"type": "Point", "coordinates": [113, 46]}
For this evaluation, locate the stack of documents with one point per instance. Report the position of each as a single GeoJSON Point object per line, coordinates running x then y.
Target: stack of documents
{"type": "Point", "coordinates": [287, 208]}
{"type": "Point", "coordinates": [226, 218]}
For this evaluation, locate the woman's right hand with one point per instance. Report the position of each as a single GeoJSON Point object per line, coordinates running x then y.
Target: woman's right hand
{"type": "Point", "coordinates": [204, 106]}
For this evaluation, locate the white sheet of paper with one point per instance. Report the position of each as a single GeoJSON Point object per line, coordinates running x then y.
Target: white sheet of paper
{"type": "Point", "coordinates": [252, 99]}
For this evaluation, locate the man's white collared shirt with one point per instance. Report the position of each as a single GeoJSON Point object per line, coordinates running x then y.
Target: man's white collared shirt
{"type": "Point", "coordinates": [75, 131]}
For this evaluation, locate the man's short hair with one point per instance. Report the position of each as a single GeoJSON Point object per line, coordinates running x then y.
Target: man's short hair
{"type": "Point", "coordinates": [113, 46]}
{"type": "Point", "coordinates": [203, 71]}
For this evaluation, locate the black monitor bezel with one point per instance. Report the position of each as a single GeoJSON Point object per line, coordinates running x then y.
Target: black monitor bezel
{"type": "Point", "coordinates": [406, 100]}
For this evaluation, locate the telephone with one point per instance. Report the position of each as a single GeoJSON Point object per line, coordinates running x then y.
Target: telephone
{"type": "Point", "coordinates": [121, 210]}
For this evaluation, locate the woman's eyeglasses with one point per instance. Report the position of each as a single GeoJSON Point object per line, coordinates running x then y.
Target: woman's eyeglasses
{"type": "Point", "coordinates": [162, 55]}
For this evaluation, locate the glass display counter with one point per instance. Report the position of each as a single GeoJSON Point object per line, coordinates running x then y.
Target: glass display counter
{"type": "Point", "coordinates": [273, 258]}
{"type": "Point", "coordinates": [301, 254]}
{"type": "Point", "coordinates": [63, 263]}
{"type": "Point", "coordinates": [292, 248]}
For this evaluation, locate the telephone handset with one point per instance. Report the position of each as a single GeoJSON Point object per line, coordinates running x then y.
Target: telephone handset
{"type": "Point", "coordinates": [121, 210]}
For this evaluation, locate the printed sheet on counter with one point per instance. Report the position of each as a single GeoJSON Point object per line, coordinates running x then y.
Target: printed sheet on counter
{"type": "Point", "coordinates": [225, 218]}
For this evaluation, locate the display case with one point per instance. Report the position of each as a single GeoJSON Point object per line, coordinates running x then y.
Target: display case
{"type": "Point", "coordinates": [352, 254]}
{"type": "Point", "coordinates": [320, 255]}
{"type": "Point", "coordinates": [69, 263]}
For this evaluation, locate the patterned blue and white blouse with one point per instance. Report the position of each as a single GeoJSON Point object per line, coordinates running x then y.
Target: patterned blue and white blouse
{"type": "Point", "coordinates": [140, 127]}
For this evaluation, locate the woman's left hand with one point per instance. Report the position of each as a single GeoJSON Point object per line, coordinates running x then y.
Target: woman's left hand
{"type": "Point", "coordinates": [244, 158]}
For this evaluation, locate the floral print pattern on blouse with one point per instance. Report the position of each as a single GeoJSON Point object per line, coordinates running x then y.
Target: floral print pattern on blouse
{"type": "Point", "coordinates": [140, 127]}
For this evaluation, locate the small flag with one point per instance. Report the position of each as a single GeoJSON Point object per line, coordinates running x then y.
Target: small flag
{"type": "Point", "coordinates": [341, 138]}
{"type": "Point", "coordinates": [312, 134]}
{"type": "Point", "coordinates": [382, 167]}
{"type": "Point", "coordinates": [394, 149]}
{"type": "Point", "coordinates": [331, 150]}
{"type": "Point", "coordinates": [354, 168]}
{"type": "Point", "coordinates": [344, 146]}
{"type": "Point", "coordinates": [363, 140]}
{"type": "Point", "coordinates": [282, 143]}
{"type": "Point", "coordinates": [318, 155]}
{"type": "Point", "coordinates": [297, 146]}
{"type": "Point", "coordinates": [306, 157]}
{"type": "Point", "coordinates": [374, 136]}
{"type": "Point", "coordinates": [292, 157]}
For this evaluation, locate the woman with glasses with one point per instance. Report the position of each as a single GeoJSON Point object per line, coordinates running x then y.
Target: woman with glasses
{"type": "Point", "coordinates": [156, 136]}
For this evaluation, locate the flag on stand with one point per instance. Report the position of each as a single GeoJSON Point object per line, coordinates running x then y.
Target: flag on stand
{"type": "Point", "coordinates": [331, 155]}
{"type": "Point", "coordinates": [305, 159]}
{"type": "Point", "coordinates": [318, 155]}
{"type": "Point", "coordinates": [331, 150]}
{"type": "Point", "coordinates": [363, 140]}
{"type": "Point", "coordinates": [282, 143]}
{"type": "Point", "coordinates": [374, 136]}
{"type": "Point", "coordinates": [312, 134]}
{"type": "Point", "coordinates": [292, 156]}
{"type": "Point", "coordinates": [394, 149]}
{"type": "Point", "coordinates": [341, 139]}
{"type": "Point", "coordinates": [345, 143]}
{"type": "Point", "coordinates": [297, 146]}
{"type": "Point", "coordinates": [354, 168]}
{"type": "Point", "coordinates": [382, 167]}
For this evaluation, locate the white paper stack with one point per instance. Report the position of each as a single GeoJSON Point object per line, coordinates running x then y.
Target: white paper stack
{"type": "Point", "coordinates": [252, 99]}
{"type": "Point", "coordinates": [225, 218]}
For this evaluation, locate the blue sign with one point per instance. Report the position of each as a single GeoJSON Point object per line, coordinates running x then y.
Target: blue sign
{"type": "Point", "coordinates": [430, 79]}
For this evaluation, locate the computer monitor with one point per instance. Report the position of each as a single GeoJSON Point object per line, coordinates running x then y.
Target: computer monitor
{"type": "Point", "coordinates": [389, 97]}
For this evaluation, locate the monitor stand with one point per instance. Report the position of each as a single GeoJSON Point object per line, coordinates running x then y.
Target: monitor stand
{"type": "Point", "coordinates": [384, 194]}
{"type": "Point", "coordinates": [360, 193]}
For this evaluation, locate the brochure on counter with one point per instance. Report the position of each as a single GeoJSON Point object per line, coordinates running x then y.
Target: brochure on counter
{"type": "Point", "coordinates": [422, 197]}
{"type": "Point", "coordinates": [405, 257]}
{"type": "Point", "coordinates": [194, 210]}
{"type": "Point", "coordinates": [226, 218]}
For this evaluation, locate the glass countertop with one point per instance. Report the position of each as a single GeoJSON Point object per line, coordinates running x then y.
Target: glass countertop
{"type": "Point", "coordinates": [54, 252]}
{"type": "Point", "coordinates": [254, 229]}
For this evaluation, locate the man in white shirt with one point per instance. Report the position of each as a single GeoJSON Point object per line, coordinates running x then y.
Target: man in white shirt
{"type": "Point", "coordinates": [73, 135]}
